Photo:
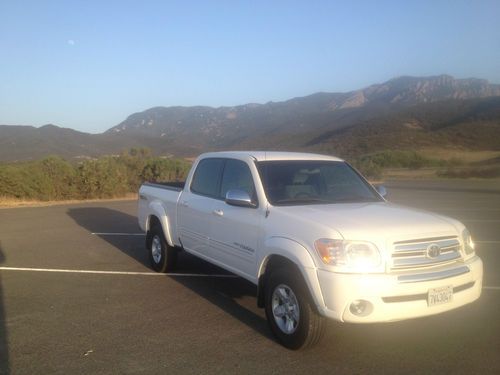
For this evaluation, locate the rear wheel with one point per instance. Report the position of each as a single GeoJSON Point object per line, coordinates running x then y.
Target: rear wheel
{"type": "Point", "coordinates": [161, 256]}
{"type": "Point", "coordinates": [290, 313]}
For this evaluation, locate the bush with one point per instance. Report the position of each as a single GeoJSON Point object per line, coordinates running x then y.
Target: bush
{"type": "Point", "coordinates": [401, 159]}
{"type": "Point", "coordinates": [103, 178]}
{"type": "Point", "coordinates": [157, 170]}
{"type": "Point", "coordinates": [368, 168]}
{"type": "Point", "coordinates": [54, 178]}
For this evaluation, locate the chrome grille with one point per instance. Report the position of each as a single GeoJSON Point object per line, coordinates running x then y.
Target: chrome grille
{"type": "Point", "coordinates": [423, 252]}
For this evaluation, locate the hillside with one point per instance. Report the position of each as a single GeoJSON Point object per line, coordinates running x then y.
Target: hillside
{"type": "Point", "coordinates": [290, 124]}
{"type": "Point", "coordinates": [23, 143]}
{"type": "Point", "coordinates": [472, 124]}
{"type": "Point", "coordinates": [28, 142]}
{"type": "Point", "coordinates": [404, 112]}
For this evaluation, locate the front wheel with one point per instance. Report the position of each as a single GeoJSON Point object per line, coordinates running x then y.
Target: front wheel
{"type": "Point", "coordinates": [290, 313]}
{"type": "Point", "coordinates": [161, 256]}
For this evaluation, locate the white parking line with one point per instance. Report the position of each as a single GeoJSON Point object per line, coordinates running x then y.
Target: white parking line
{"type": "Point", "coordinates": [143, 234]}
{"type": "Point", "coordinates": [57, 270]}
{"type": "Point", "coordinates": [118, 234]}
{"type": "Point", "coordinates": [491, 287]}
{"type": "Point", "coordinates": [465, 209]}
{"type": "Point", "coordinates": [480, 221]}
{"type": "Point", "coordinates": [113, 272]}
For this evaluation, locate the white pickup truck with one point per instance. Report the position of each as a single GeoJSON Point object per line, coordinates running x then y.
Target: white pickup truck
{"type": "Point", "coordinates": [315, 237]}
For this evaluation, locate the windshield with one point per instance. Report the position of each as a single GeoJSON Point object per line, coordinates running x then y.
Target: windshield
{"type": "Point", "coordinates": [313, 182]}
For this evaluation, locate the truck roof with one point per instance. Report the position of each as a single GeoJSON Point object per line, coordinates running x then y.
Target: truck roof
{"type": "Point", "coordinates": [269, 155]}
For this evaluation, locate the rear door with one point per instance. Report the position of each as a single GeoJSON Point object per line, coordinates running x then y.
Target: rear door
{"type": "Point", "coordinates": [196, 206]}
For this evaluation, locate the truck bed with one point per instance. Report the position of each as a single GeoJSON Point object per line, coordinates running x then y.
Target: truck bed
{"type": "Point", "coordinates": [173, 185]}
{"type": "Point", "coordinates": [160, 199]}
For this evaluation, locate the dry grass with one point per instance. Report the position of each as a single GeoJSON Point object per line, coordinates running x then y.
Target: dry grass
{"type": "Point", "coordinates": [9, 202]}
{"type": "Point", "coordinates": [410, 174]}
{"type": "Point", "coordinates": [464, 155]}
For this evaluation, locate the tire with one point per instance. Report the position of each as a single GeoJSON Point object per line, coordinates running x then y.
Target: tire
{"type": "Point", "coordinates": [290, 312]}
{"type": "Point", "coordinates": [161, 256]}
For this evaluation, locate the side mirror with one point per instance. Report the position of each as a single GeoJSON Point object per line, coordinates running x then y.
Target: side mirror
{"type": "Point", "coordinates": [381, 190]}
{"type": "Point", "coordinates": [239, 198]}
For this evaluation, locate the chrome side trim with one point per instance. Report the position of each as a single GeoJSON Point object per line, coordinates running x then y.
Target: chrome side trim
{"type": "Point", "coordinates": [428, 276]}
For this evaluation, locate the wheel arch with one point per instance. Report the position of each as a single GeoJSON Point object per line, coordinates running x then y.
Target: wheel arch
{"type": "Point", "coordinates": [286, 253]}
{"type": "Point", "coordinates": [158, 215]}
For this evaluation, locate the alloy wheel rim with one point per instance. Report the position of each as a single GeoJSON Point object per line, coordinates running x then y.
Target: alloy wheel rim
{"type": "Point", "coordinates": [285, 308]}
{"type": "Point", "coordinates": [156, 249]}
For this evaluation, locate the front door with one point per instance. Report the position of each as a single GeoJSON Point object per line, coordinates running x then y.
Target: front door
{"type": "Point", "coordinates": [235, 232]}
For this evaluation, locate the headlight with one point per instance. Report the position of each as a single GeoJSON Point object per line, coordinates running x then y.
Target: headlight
{"type": "Point", "coordinates": [468, 243]}
{"type": "Point", "coordinates": [357, 256]}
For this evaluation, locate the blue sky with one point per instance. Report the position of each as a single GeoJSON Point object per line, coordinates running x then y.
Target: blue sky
{"type": "Point", "coordinates": [89, 64]}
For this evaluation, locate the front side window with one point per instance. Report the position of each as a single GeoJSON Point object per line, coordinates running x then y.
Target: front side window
{"type": "Point", "coordinates": [207, 177]}
{"type": "Point", "coordinates": [237, 176]}
{"type": "Point", "coordinates": [311, 182]}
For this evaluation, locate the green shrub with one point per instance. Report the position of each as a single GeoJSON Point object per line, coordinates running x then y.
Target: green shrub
{"type": "Point", "coordinates": [401, 159]}
{"type": "Point", "coordinates": [158, 170]}
{"type": "Point", "coordinates": [54, 178]}
{"type": "Point", "coordinates": [368, 168]}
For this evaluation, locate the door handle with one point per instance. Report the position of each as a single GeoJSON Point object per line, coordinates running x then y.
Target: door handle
{"type": "Point", "coordinates": [218, 212]}
{"type": "Point", "coordinates": [184, 204]}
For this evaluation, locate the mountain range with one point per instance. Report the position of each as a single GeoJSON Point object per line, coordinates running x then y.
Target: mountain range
{"type": "Point", "coordinates": [402, 113]}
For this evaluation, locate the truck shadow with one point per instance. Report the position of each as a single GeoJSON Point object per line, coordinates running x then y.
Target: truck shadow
{"type": "Point", "coordinates": [4, 350]}
{"type": "Point", "coordinates": [223, 292]}
{"type": "Point", "coordinates": [104, 221]}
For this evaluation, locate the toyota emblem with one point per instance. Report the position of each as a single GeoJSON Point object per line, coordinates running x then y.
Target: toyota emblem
{"type": "Point", "coordinates": [433, 251]}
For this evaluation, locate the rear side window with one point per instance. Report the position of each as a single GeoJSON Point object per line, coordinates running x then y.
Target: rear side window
{"type": "Point", "coordinates": [207, 177]}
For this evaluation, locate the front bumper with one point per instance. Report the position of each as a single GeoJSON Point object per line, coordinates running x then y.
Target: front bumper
{"type": "Point", "coordinates": [393, 299]}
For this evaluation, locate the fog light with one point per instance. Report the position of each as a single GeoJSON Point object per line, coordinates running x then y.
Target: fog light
{"type": "Point", "coordinates": [361, 307]}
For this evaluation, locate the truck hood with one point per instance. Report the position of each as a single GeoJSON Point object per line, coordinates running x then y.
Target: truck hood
{"type": "Point", "coordinates": [381, 220]}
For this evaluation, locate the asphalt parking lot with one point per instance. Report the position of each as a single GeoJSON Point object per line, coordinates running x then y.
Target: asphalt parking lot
{"type": "Point", "coordinates": [77, 297]}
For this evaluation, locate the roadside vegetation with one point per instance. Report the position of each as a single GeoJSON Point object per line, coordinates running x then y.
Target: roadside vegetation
{"type": "Point", "coordinates": [479, 172]}
{"type": "Point", "coordinates": [54, 178]}
{"type": "Point", "coordinates": [373, 165]}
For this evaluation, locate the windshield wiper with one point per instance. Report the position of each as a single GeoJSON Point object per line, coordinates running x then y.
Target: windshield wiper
{"type": "Point", "coordinates": [302, 200]}
{"type": "Point", "coordinates": [355, 200]}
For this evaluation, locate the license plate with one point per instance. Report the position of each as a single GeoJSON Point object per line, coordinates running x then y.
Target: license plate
{"type": "Point", "coordinates": [438, 296]}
